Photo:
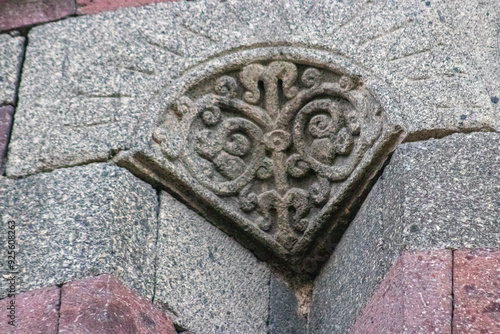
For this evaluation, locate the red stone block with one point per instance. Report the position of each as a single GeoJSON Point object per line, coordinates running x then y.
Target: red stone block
{"type": "Point", "coordinates": [414, 297]}
{"type": "Point", "coordinates": [35, 312]}
{"type": "Point", "coordinates": [6, 116]}
{"type": "Point", "coordinates": [97, 6]}
{"type": "Point", "coordinates": [476, 288]}
{"type": "Point", "coordinates": [19, 13]}
{"type": "Point", "coordinates": [104, 305]}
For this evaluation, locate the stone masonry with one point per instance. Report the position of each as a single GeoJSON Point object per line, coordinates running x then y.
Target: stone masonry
{"type": "Point", "coordinates": [249, 167]}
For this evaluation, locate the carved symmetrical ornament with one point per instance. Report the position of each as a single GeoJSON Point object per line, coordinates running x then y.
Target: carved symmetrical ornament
{"type": "Point", "coordinates": [276, 149]}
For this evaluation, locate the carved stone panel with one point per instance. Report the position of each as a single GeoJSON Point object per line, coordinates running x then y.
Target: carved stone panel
{"type": "Point", "coordinates": [274, 151]}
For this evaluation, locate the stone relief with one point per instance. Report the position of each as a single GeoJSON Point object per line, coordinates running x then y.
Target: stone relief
{"type": "Point", "coordinates": [277, 148]}
{"type": "Point", "coordinates": [275, 136]}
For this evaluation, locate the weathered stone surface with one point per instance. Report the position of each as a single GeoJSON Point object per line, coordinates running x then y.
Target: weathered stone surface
{"type": "Point", "coordinates": [427, 198]}
{"type": "Point", "coordinates": [20, 13]}
{"type": "Point", "coordinates": [97, 6]}
{"type": "Point", "coordinates": [11, 52]}
{"type": "Point", "coordinates": [35, 311]}
{"type": "Point", "coordinates": [476, 291]}
{"type": "Point", "coordinates": [80, 221]}
{"type": "Point", "coordinates": [209, 282]}
{"type": "Point", "coordinates": [284, 317]}
{"type": "Point", "coordinates": [104, 305]}
{"type": "Point", "coordinates": [272, 151]}
{"type": "Point", "coordinates": [414, 297]}
{"type": "Point", "coordinates": [6, 117]}
{"type": "Point", "coordinates": [89, 96]}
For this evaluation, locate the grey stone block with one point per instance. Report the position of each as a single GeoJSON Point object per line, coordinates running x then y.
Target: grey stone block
{"type": "Point", "coordinates": [434, 194]}
{"type": "Point", "coordinates": [11, 53]}
{"type": "Point", "coordinates": [6, 117]}
{"type": "Point", "coordinates": [284, 317]}
{"type": "Point", "coordinates": [207, 280]}
{"type": "Point", "coordinates": [90, 83]}
{"type": "Point", "coordinates": [78, 222]}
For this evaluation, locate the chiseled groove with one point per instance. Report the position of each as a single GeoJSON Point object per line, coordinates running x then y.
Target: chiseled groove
{"type": "Point", "coordinates": [358, 13]}
{"type": "Point", "coordinates": [197, 33]}
{"type": "Point", "coordinates": [412, 54]}
{"type": "Point", "coordinates": [389, 32]}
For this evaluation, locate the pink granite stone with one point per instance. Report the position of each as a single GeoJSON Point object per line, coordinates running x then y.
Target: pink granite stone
{"type": "Point", "coordinates": [33, 312]}
{"type": "Point", "coordinates": [104, 305]}
{"type": "Point", "coordinates": [476, 288]}
{"type": "Point", "coordinates": [6, 116]}
{"type": "Point", "coordinates": [19, 13]}
{"type": "Point", "coordinates": [414, 297]}
{"type": "Point", "coordinates": [97, 6]}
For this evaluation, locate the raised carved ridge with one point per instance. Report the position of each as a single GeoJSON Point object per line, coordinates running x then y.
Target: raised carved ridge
{"type": "Point", "coordinates": [276, 148]}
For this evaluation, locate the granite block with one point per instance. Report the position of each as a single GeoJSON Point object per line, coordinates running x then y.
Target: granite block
{"type": "Point", "coordinates": [284, 317]}
{"type": "Point", "coordinates": [6, 117]}
{"type": "Point", "coordinates": [20, 13]}
{"type": "Point", "coordinates": [104, 305]}
{"type": "Point", "coordinates": [33, 312]}
{"type": "Point", "coordinates": [428, 197]}
{"type": "Point", "coordinates": [94, 85]}
{"type": "Point", "coordinates": [11, 53]}
{"type": "Point", "coordinates": [204, 278]}
{"type": "Point", "coordinates": [77, 222]}
{"type": "Point", "coordinates": [97, 6]}
{"type": "Point", "coordinates": [414, 297]}
{"type": "Point", "coordinates": [476, 290]}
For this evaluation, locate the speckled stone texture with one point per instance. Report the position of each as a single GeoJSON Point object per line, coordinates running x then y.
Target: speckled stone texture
{"type": "Point", "coordinates": [476, 290]}
{"type": "Point", "coordinates": [427, 198]}
{"type": "Point", "coordinates": [35, 312]}
{"type": "Point", "coordinates": [6, 117]}
{"type": "Point", "coordinates": [80, 221]}
{"type": "Point", "coordinates": [11, 52]}
{"type": "Point", "coordinates": [19, 13]}
{"type": "Point", "coordinates": [283, 310]}
{"type": "Point", "coordinates": [97, 6]}
{"type": "Point", "coordinates": [89, 82]}
{"type": "Point", "coordinates": [414, 297]}
{"type": "Point", "coordinates": [207, 280]}
{"type": "Point", "coordinates": [104, 305]}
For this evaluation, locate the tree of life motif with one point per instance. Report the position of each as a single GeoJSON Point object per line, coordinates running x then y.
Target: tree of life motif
{"type": "Point", "coordinates": [275, 140]}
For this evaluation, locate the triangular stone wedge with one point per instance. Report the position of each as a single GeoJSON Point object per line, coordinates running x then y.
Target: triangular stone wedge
{"type": "Point", "coordinates": [277, 147]}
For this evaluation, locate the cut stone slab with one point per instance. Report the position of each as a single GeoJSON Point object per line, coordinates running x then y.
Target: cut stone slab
{"type": "Point", "coordinates": [90, 83]}
{"type": "Point", "coordinates": [97, 6]}
{"type": "Point", "coordinates": [427, 198]}
{"type": "Point", "coordinates": [6, 117]}
{"type": "Point", "coordinates": [20, 13]}
{"type": "Point", "coordinates": [104, 305]}
{"type": "Point", "coordinates": [414, 297]}
{"type": "Point", "coordinates": [11, 53]}
{"type": "Point", "coordinates": [476, 290]}
{"type": "Point", "coordinates": [77, 222]}
{"type": "Point", "coordinates": [34, 312]}
{"type": "Point", "coordinates": [283, 310]}
{"type": "Point", "coordinates": [207, 280]}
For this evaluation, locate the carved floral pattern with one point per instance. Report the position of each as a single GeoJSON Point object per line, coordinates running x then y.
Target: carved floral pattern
{"type": "Point", "coordinates": [275, 139]}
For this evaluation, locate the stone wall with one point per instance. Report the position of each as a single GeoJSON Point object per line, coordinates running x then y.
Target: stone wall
{"type": "Point", "coordinates": [403, 256]}
{"type": "Point", "coordinates": [250, 166]}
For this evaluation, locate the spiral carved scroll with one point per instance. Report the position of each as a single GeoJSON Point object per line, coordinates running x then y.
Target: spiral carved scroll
{"type": "Point", "coordinates": [274, 139]}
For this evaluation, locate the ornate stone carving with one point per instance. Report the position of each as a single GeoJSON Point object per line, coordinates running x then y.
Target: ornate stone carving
{"type": "Point", "coordinates": [273, 137]}
{"type": "Point", "coordinates": [275, 148]}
